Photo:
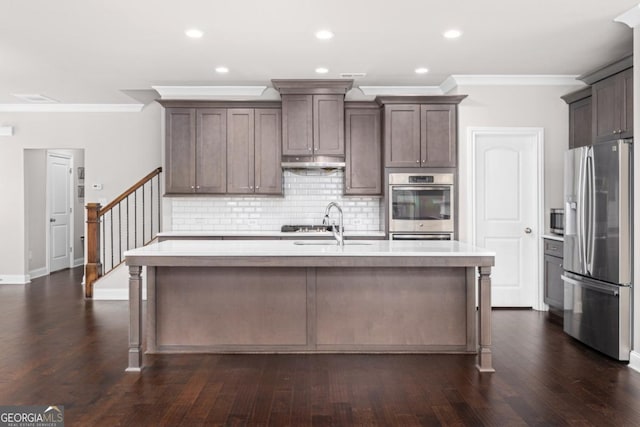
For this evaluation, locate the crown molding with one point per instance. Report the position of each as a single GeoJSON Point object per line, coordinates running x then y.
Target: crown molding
{"type": "Point", "coordinates": [6, 130]}
{"type": "Point", "coordinates": [237, 93]}
{"type": "Point", "coordinates": [511, 80]}
{"type": "Point", "coordinates": [71, 108]}
{"type": "Point", "coordinates": [401, 90]}
{"type": "Point", "coordinates": [631, 17]}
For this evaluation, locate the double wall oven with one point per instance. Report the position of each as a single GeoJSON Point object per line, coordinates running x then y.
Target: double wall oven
{"type": "Point", "coordinates": [421, 206]}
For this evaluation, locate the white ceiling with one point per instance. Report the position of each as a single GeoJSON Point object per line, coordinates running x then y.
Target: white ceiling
{"type": "Point", "coordinates": [90, 51]}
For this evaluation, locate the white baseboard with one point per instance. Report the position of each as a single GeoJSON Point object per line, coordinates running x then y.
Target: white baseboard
{"type": "Point", "coordinates": [114, 294]}
{"type": "Point", "coordinates": [78, 262]}
{"type": "Point", "coordinates": [634, 361]}
{"type": "Point", "coordinates": [14, 279]}
{"type": "Point", "coordinates": [38, 272]}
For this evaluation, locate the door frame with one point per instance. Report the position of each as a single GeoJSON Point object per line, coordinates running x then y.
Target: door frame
{"type": "Point", "coordinates": [538, 132]}
{"type": "Point", "coordinates": [54, 153]}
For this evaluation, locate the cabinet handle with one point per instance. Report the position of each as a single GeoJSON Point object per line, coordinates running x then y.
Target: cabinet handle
{"type": "Point", "coordinates": [251, 187]}
{"type": "Point", "coordinates": [257, 187]}
{"type": "Point", "coordinates": [309, 148]}
{"type": "Point", "coordinates": [197, 187]}
{"type": "Point", "coordinates": [417, 161]}
{"type": "Point", "coordinates": [192, 187]}
{"type": "Point", "coordinates": [424, 161]}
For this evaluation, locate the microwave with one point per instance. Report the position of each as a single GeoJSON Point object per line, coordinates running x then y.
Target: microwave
{"type": "Point", "coordinates": [556, 221]}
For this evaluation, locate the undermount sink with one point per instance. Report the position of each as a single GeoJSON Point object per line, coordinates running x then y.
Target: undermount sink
{"type": "Point", "coordinates": [330, 243]}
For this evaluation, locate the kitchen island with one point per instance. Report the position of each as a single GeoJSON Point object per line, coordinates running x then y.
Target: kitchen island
{"type": "Point", "coordinates": [311, 296]}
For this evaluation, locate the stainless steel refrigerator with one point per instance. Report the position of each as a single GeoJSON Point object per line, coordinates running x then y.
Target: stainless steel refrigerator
{"type": "Point", "coordinates": [598, 246]}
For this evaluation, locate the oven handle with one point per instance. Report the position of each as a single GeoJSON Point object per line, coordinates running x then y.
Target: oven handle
{"type": "Point", "coordinates": [421, 187]}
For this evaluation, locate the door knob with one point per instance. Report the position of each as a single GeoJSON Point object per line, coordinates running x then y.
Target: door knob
{"type": "Point", "coordinates": [527, 230]}
{"type": "Point", "coordinates": [52, 220]}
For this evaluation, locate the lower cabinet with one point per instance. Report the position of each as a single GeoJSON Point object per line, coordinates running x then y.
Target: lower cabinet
{"type": "Point", "coordinates": [553, 285]}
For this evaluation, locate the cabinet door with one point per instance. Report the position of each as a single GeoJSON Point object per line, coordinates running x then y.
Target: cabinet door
{"type": "Point", "coordinates": [180, 150]}
{"type": "Point", "coordinates": [297, 125]}
{"type": "Point", "coordinates": [626, 80]}
{"type": "Point", "coordinates": [363, 172]}
{"type": "Point", "coordinates": [240, 150]}
{"type": "Point", "coordinates": [402, 135]}
{"type": "Point", "coordinates": [606, 112]}
{"type": "Point", "coordinates": [328, 125]}
{"type": "Point", "coordinates": [553, 285]}
{"type": "Point", "coordinates": [211, 154]}
{"type": "Point", "coordinates": [268, 172]}
{"type": "Point", "coordinates": [580, 128]}
{"type": "Point", "coordinates": [438, 135]}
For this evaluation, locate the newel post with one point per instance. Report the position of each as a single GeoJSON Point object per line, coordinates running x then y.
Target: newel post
{"type": "Point", "coordinates": [93, 268]}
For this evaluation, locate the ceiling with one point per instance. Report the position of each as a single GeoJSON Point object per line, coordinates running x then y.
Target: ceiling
{"type": "Point", "coordinates": [94, 51]}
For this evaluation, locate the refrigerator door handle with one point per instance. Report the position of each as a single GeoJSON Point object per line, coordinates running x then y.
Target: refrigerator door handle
{"type": "Point", "coordinates": [580, 212]}
{"type": "Point", "coordinates": [599, 288]}
{"type": "Point", "coordinates": [591, 206]}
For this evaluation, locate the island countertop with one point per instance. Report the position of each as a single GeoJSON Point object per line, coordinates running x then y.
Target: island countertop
{"type": "Point", "coordinates": [310, 252]}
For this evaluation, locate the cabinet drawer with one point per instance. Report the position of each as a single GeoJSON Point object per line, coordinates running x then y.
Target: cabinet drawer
{"type": "Point", "coordinates": [553, 248]}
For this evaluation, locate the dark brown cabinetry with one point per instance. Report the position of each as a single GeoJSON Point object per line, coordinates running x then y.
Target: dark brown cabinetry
{"type": "Point", "coordinates": [223, 150]}
{"type": "Point", "coordinates": [420, 134]}
{"type": "Point", "coordinates": [580, 128]}
{"type": "Point", "coordinates": [312, 117]}
{"type": "Point", "coordinates": [195, 150]}
{"type": "Point", "coordinates": [313, 125]}
{"type": "Point", "coordinates": [553, 285]}
{"type": "Point", "coordinates": [363, 159]}
{"type": "Point", "coordinates": [613, 107]}
{"type": "Point", "coordinates": [580, 117]}
{"type": "Point", "coordinates": [253, 151]}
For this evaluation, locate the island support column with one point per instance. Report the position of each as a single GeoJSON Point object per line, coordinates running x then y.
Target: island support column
{"type": "Point", "coordinates": [484, 323]}
{"type": "Point", "coordinates": [135, 319]}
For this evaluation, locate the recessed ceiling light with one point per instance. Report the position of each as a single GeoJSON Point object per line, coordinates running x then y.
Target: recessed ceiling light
{"type": "Point", "coordinates": [194, 33]}
{"type": "Point", "coordinates": [422, 70]}
{"type": "Point", "coordinates": [222, 70]}
{"type": "Point", "coordinates": [452, 34]}
{"type": "Point", "coordinates": [322, 70]}
{"type": "Point", "coordinates": [324, 35]}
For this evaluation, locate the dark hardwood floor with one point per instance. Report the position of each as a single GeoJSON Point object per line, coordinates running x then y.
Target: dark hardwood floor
{"type": "Point", "coordinates": [57, 348]}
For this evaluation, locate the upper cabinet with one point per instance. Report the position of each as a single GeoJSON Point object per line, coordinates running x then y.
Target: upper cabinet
{"type": "Point", "coordinates": [312, 117]}
{"type": "Point", "coordinates": [253, 151]}
{"type": "Point", "coordinates": [613, 107]}
{"type": "Point", "coordinates": [363, 149]}
{"type": "Point", "coordinates": [313, 125]}
{"type": "Point", "coordinates": [611, 103]}
{"type": "Point", "coordinates": [580, 118]}
{"type": "Point", "coordinates": [223, 150]}
{"type": "Point", "coordinates": [420, 131]}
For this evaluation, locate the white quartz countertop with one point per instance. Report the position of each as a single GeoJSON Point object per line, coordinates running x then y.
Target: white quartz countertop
{"type": "Point", "coordinates": [553, 237]}
{"type": "Point", "coordinates": [309, 248]}
{"type": "Point", "coordinates": [274, 233]}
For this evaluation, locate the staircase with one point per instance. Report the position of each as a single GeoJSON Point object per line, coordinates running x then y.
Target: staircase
{"type": "Point", "coordinates": [130, 221]}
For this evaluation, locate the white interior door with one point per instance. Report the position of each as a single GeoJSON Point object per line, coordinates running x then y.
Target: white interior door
{"type": "Point", "coordinates": [507, 211]}
{"type": "Point", "coordinates": [59, 212]}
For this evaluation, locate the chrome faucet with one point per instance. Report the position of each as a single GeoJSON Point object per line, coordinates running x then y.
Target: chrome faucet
{"type": "Point", "coordinates": [339, 235]}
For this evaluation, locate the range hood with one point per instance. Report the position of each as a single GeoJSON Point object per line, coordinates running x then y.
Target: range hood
{"type": "Point", "coordinates": [312, 165]}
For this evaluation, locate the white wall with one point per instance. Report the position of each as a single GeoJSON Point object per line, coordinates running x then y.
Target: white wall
{"type": "Point", "coordinates": [516, 106]}
{"type": "Point", "coordinates": [120, 148]}
{"type": "Point", "coordinates": [35, 176]}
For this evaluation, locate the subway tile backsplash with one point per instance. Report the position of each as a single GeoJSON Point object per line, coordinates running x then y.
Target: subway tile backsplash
{"type": "Point", "coordinates": [306, 194]}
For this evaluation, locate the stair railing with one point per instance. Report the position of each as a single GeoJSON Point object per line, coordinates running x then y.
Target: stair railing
{"type": "Point", "coordinates": [131, 220]}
